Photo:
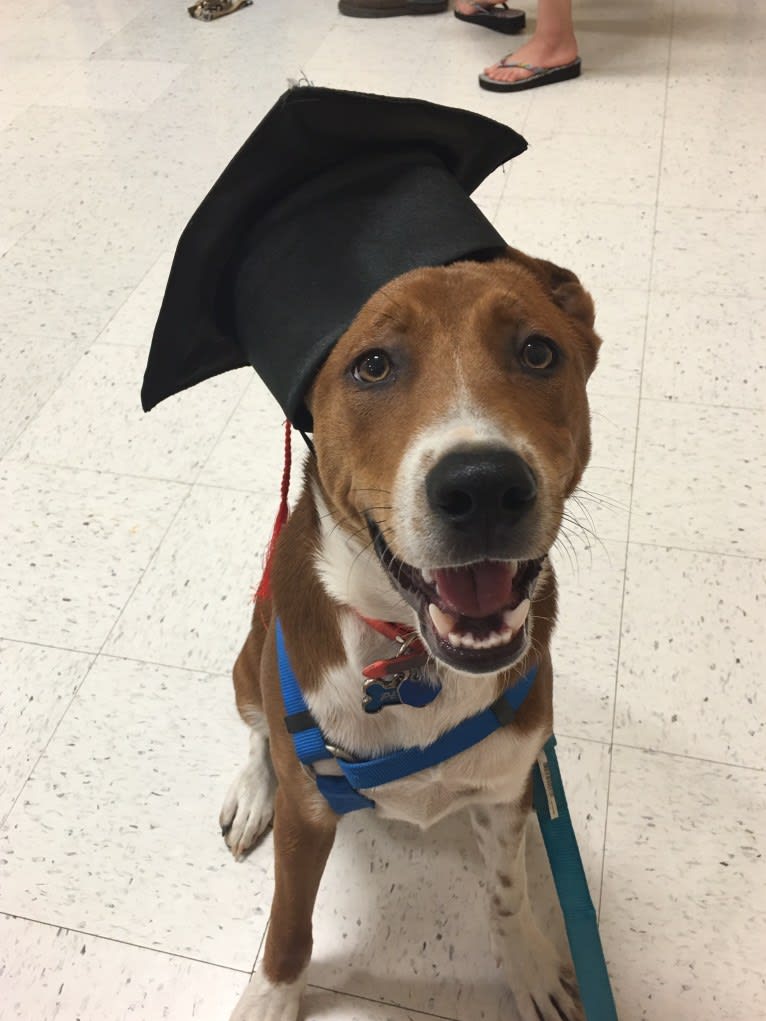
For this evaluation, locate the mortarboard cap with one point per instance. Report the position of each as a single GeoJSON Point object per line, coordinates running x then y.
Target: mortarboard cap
{"type": "Point", "coordinates": [332, 196]}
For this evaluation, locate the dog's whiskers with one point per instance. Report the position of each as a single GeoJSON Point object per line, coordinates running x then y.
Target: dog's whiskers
{"type": "Point", "coordinates": [599, 499]}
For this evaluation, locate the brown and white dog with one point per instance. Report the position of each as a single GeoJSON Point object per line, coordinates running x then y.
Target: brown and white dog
{"type": "Point", "coordinates": [451, 424]}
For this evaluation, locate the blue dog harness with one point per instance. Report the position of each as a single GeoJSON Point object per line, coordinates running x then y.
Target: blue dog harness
{"type": "Point", "coordinates": [342, 792]}
{"type": "Point", "coordinates": [343, 795]}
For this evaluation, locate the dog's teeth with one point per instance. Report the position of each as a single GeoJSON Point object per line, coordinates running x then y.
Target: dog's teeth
{"type": "Point", "coordinates": [455, 639]}
{"type": "Point", "coordinates": [506, 635]}
{"type": "Point", "coordinates": [514, 566]}
{"type": "Point", "coordinates": [428, 577]}
{"type": "Point", "coordinates": [514, 619]}
{"type": "Point", "coordinates": [443, 622]}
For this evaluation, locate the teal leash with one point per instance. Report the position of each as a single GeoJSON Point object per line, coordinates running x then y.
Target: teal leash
{"type": "Point", "coordinates": [572, 887]}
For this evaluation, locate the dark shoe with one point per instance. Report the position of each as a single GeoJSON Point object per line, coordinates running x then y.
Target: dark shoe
{"type": "Point", "coordinates": [540, 76]}
{"type": "Point", "coordinates": [500, 18]}
{"type": "Point", "coordinates": [390, 8]}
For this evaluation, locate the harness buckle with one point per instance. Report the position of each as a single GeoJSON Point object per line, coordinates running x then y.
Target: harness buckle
{"type": "Point", "coordinates": [338, 753]}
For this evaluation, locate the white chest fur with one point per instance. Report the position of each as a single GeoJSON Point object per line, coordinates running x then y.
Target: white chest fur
{"type": "Point", "coordinates": [493, 771]}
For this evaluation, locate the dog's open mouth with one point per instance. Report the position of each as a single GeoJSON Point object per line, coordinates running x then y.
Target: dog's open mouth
{"type": "Point", "coordinates": [473, 617]}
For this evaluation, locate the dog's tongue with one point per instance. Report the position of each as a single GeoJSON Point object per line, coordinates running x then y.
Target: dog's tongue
{"type": "Point", "coordinates": [476, 591]}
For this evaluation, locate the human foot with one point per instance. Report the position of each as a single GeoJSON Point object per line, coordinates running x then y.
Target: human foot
{"type": "Point", "coordinates": [537, 53]}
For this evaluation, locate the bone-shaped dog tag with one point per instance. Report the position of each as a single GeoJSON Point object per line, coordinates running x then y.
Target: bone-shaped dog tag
{"type": "Point", "coordinates": [399, 689]}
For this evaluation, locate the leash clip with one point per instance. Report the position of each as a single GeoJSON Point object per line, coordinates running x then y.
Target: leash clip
{"type": "Point", "coordinates": [399, 680]}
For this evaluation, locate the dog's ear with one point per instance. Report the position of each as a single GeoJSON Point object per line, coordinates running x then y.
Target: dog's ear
{"type": "Point", "coordinates": [562, 285]}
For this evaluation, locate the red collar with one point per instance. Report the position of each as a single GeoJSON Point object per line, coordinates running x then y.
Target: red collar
{"type": "Point", "coordinates": [412, 652]}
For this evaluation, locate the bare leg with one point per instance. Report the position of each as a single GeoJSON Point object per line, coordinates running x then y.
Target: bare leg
{"type": "Point", "coordinates": [552, 45]}
{"type": "Point", "coordinates": [301, 848]}
{"type": "Point", "coordinates": [543, 985]}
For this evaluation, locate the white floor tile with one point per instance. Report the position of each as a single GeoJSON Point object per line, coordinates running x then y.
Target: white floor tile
{"type": "Point", "coordinates": [162, 35]}
{"type": "Point", "coordinates": [596, 169]}
{"type": "Point", "coordinates": [9, 113]}
{"type": "Point", "coordinates": [712, 251]}
{"type": "Point", "coordinates": [55, 290]}
{"type": "Point", "coordinates": [690, 662]}
{"type": "Point", "coordinates": [134, 322]}
{"type": "Point", "coordinates": [56, 133]}
{"type": "Point", "coordinates": [683, 912]}
{"type": "Point", "coordinates": [706, 350]}
{"type": "Point", "coordinates": [698, 172]}
{"type": "Point", "coordinates": [698, 470]}
{"type": "Point", "coordinates": [30, 371]}
{"type": "Point", "coordinates": [383, 47]}
{"type": "Point", "coordinates": [63, 34]}
{"type": "Point", "coordinates": [608, 104]}
{"type": "Point", "coordinates": [250, 453]}
{"type": "Point", "coordinates": [30, 710]}
{"type": "Point", "coordinates": [54, 974]}
{"type": "Point", "coordinates": [730, 106]}
{"type": "Point", "coordinates": [127, 85]}
{"type": "Point", "coordinates": [603, 496]}
{"type": "Point", "coordinates": [117, 830]}
{"type": "Point", "coordinates": [606, 245]}
{"type": "Point", "coordinates": [192, 607]}
{"type": "Point", "coordinates": [172, 442]}
{"type": "Point", "coordinates": [74, 545]}
{"type": "Point", "coordinates": [586, 639]}
{"type": "Point", "coordinates": [33, 182]}
{"type": "Point", "coordinates": [25, 81]}
{"type": "Point", "coordinates": [621, 324]}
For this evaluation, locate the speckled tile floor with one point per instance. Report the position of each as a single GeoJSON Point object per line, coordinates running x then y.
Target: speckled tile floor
{"type": "Point", "coordinates": [123, 598]}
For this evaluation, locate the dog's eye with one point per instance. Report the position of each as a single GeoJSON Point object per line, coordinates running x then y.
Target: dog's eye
{"type": "Point", "coordinates": [539, 354]}
{"type": "Point", "coordinates": [373, 367]}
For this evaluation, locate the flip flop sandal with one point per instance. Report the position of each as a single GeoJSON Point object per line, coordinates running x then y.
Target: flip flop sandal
{"type": "Point", "coordinates": [500, 18]}
{"type": "Point", "coordinates": [539, 76]}
{"type": "Point", "coordinates": [389, 8]}
{"type": "Point", "coordinates": [209, 10]}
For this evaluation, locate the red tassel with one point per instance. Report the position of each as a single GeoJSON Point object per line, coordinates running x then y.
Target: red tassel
{"type": "Point", "coordinates": [264, 588]}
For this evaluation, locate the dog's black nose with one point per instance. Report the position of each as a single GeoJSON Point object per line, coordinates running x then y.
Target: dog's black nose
{"type": "Point", "coordinates": [481, 490]}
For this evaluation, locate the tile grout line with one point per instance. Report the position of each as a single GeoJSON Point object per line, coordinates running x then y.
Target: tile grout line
{"type": "Point", "coordinates": [88, 344]}
{"type": "Point", "coordinates": [189, 490]}
{"type": "Point", "coordinates": [201, 672]}
{"type": "Point", "coordinates": [660, 751]}
{"type": "Point", "coordinates": [635, 456]}
{"type": "Point", "coordinates": [382, 1003]}
{"type": "Point", "coordinates": [98, 652]}
{"type": "Point", "coordinates": [121, 942]}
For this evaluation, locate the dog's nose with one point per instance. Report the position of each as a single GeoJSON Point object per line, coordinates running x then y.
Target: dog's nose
{"type": "Point", "coordinates": [481, 489]}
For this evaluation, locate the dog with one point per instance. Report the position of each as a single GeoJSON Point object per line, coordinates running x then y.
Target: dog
{"type": "Point", "coordinates": [451, 425]}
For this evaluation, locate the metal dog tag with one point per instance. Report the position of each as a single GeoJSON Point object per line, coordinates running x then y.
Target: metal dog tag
{"type": "Point", "coordinates": [399, 689]}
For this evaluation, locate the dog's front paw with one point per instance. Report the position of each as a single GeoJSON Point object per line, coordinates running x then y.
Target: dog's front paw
{"type": "Point", "coordinates": [544, 987]}
{"type": "Point", "coordinates": [264, 1000]}
{"type": "Point", "coordinates": [557, 1000]}
{"type": "Point", "coordinates": [248, 807]}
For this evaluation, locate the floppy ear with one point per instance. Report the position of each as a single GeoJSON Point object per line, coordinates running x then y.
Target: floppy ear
{"type": "Point", "coordinates": [562, 285]}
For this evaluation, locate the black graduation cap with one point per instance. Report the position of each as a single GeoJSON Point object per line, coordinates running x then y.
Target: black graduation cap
{"type": "Point", "coordinates": [333, 195]}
